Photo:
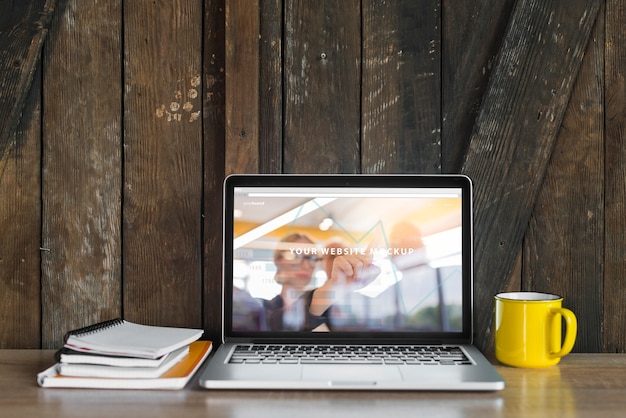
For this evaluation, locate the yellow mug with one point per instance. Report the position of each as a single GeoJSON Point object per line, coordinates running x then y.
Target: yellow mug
{"type": "Point", "coordinates": [528, 329]}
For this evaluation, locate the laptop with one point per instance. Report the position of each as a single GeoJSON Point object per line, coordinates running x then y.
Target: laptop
{"type": "Point", "coordinates": [348, 282]}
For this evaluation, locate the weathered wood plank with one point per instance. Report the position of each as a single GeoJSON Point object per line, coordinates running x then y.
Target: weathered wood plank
{"type": "Point", "coordinates": [81, 274]}
{"type": "Point", "coordinates": [23, 29]}
{"type": "Point", "coordinates": [515, 133]}
{"type": "Point", "coordinates": [163, 162]}
{"type": "Point", "coordinates": [472, 34]}
{"type": "Point", "coordinates": [322, 72]}
{"type": "Point", "coordinates": [242, 86]}
{"type": "Point", "coordinates": [614, 319]}
{"type": "Point", "coordinates": [20, 223]}
{"type": "Point", "coordinates": [214, 128]}
{"type": "Point", "coordinates": [564, 244]}
{"type": "Point", "coordinates": [401, 87]}
{"type": "Point", "coordinates": [271, 87]}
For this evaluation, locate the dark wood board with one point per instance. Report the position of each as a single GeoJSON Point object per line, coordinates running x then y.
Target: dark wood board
{"type": "Point", "coordinates": [81, 168]}
{"type": "Point", "coordinates": [401, 87]}
{"type": "Point", "coordinates": [20, 223]}
{"type": "Point", "coordinates": [322, 72]}
{"type": "Point", "coordinates": [515, 132]}
{"type": "Point", "coordinates": [242, 86]}
{"type": "Point", "coordinates": [472, 34]}
{"type": "Point", "coordinates": [614, 316]}
{"type": "Point", "coordinates": [271, 87]}
{"type": "Point", "coordinates": [214, 123]}
{"type": "Point", "coordinates": [163, 177]}
{"type": "Point", "coordinates": [23, 28]}
{"type": "Point", "coordinates": [564, 244]}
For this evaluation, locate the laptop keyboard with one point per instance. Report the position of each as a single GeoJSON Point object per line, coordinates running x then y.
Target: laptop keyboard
{"type": "Point", "coordinates": [338, 354]}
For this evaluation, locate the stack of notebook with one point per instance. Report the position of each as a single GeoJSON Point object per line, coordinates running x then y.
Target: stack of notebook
{"type": "Point", "coordinates": [118, 354]}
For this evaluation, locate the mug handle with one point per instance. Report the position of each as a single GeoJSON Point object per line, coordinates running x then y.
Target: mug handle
{"type": "Point", "coordinates": [570, 331]}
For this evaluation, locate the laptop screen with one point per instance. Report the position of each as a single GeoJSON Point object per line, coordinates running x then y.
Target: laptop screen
{"type": "Point", "coordinates": [333, 256]}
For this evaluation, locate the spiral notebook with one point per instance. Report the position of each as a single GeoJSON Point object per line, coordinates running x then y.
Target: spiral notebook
{"type": "Point", "coordinates": [118, 337]}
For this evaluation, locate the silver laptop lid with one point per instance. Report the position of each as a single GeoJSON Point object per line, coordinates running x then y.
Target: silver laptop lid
{"type": "Point", "coordinates": [407, 239]}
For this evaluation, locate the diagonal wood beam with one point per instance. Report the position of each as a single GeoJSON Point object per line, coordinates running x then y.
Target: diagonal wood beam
{"type": "Point", "coordinates": [514, 136]}
{"type": "Point", "coordinates": [23, 28]}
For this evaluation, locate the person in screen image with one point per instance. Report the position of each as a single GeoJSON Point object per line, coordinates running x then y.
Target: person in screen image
{"type": "Point", "coordinates": [288, 311]}
{"type": "Point", "coordinates": [328, 257]}
{"type": "Point", "coordinates": [411, 299]}
{"type": "Point", "coordinates": [331, 250]}
{"type": "Point", "coordinates": [346, 273]}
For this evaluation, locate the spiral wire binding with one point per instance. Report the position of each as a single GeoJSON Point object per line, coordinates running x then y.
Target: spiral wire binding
{"type": "Point", "coordinates": [92, 329]}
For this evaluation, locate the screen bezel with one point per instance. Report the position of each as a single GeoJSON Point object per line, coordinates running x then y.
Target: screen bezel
{"type": "Point", "coordinates": [337, 180]}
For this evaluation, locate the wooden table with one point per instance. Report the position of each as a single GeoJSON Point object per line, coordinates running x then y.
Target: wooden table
{"type": "Point", "coordinates": [582, 385]}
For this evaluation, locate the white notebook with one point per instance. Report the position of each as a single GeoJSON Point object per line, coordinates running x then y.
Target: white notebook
{"type": "Point", "coordinates": [98, 370]}
{"type": "Point", "coordinates": [123, 338]}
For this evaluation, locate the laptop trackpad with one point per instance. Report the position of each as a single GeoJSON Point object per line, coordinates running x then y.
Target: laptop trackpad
{"type": "Point", "coordinates": [349, 374]}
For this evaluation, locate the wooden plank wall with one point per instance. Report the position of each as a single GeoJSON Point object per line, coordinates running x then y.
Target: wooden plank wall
{"type": "Point", "coordinates": [516, 130]}
{"type": "Point", "coordinates": [110, 200]}
{"type": "Point", "coordinates": [22, 33]}
{"type": "Point", "coordinates": [81, 168]}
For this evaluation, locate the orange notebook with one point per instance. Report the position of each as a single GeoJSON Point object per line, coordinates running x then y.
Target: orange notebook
{"type": "Point", "coordinates": [175, 378]}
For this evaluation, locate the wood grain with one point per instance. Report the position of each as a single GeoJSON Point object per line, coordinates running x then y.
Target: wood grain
{"type": "Point", "coordinates": [82, 168]}
{"type": "Point", "coordinates": [515, 133]}
{"type": "Point", "coordinates": [615, 195]}
{"type": "Point", "coordinates": [163, 162]}
{"type": "Point", "coordinates": [271, 87]}
{"type": "Point", "coordinates": [564, 244]}
{"type": "Point", "coordinates": [401, 87]}
{"type": "Point", "coordinates": [242, 86]}
{"type": "Point", "coordinates": [214, 123]}
{"type": "Point", "coordinates": [23, 30]}
{"type": "Point", "coordinates": [585, 385]}
{"type": "Point", "coordinates": [322, 71]}
{"type": "Point", "coordinates": [125, 199]}
{"type": "Point", "coordinates": [472, 33]}
{"type": "Point", "coordinates": [20, 223]}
